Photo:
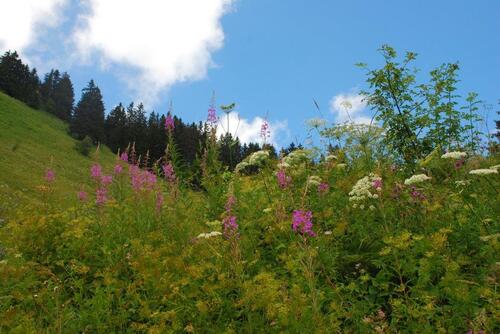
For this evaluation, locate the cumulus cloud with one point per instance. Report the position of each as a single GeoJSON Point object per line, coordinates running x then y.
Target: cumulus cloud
{"type": "Point", "coordinates": [349, 107]}
{"type": "Point", "coordinates": [248, 131]}
{"type": "Point", "coordinates": [162, 42]}
{"type": "Point", "coordinates": [22, 20]}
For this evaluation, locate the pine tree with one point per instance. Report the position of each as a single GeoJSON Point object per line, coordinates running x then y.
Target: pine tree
{"type": "Point", "coordinates": [18, 81]}
{"type": "Point", "coordinates": [88, 118]}
{"type": "Point", "coordinates": [115, 128]}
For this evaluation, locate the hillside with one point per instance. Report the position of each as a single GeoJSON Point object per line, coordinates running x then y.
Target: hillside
{"type": "Point", "coordinates": [31, 141]}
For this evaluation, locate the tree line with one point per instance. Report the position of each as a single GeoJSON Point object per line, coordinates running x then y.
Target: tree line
{"type": "Point", "coordinates": [125, 127]}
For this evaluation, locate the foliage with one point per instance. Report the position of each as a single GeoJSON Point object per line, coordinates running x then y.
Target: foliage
{"type": "Point", "coordinates": [418, 116]}
{"type": "Point", "coordinates": [84, 146]}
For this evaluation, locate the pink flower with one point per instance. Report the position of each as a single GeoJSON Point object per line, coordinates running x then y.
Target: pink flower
{"type": "Point", "coordinates": [377, 184]}
{"type": "Point", "coordinates": [168, 171]}
{"type": "Point", "coordinates": [50, 175]}
{"type": "Point", "coordinates": [265, 133]}
{"type": "Point", "coordinates": [169, 123]}
{"type": "Point", "coordinates": [283, 179]}
{"type": "Point", "coordinates": [95, 171]}
{"type": "Point", "coordinates": [82, 196]}
{"type": "Point", "coordinates": [230, 226]}
{"type": "Point", "coordinates": [101, 196]}
{"type": "Point", "coordinates": [459, 163]}
{"type": "Point", "coordinates": [231, 201]}
{"type": "Point", "coordinates": [118, 169]}
{"type": "Point", "coordinates": [323, 188]}
{"type": "Point", "coordinates": [212, 116]}
{"type": "Point", "coordinates": [302, 222]}
{"type": "Point", "coordinates": [124, 157]}
{"type": "Point", "coordinates": [106, 180]}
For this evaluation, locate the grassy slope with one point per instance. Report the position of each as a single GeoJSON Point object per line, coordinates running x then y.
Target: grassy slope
{"type": "Point", "coordinates": [32, 141]}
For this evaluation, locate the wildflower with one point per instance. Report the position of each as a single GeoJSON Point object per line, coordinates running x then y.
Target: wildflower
{"type": "Point", "coordinates": [96, 171]}
{"type": "Point", "coordinates": [377, 184]}
{"type": "Point", "coordinates": [124, 157]}
{"type": "Point", "coordinates": [265, 133]}
{"type": "Point", "coordinates": [327, 233]}
{"type": "Point", "coordinates": [316, 122]}
{"type": "Point", "coordinates": [283, 179]}
{"type": "Point", "coordinates": [302, 222]}
{"type": "Point", "coordinates": [168, 171]}
{"type": "Point", "coordinates": [231, 201]}
{"type": "Point", "coordinates": [169, 123]}
{"type": "Point", "coordinates": [267, 210]}
{"type": "Point", "coordinates": [455, 155]}
{"type": "Point", "coordinates": [258, 158]}
{"type": "Point", "coordinates": [416, 194]}
{"type": "Point", "coordinates": [82, 196]}
{"type": "Point", "coordinates": [416, 179]}
{"type": "Point", "coordinates": [361, 190]}
{"type": "Point", "coordinates": [208, 235]}
{"type": "Point", "coordinates": [462, 183]}
{"type": "Point", "coordinates": [459, 163]}
{"type": "Point", "coordinates": [372, 207]}
{"type": "Point", "coordinates": [118, 169]}
{"type": "Point", "coordinates": [241, 166]}
{"type": "Point", "coordinates": [230, 226]}
{"type": "Point", "coordinates": [313, 180]}
{"type": "Point", "coordinates": [483, 171]}
{"type": "Point", "coordinates": [212, 116]}
{"type": "Point", "coordinates": [50, 175]}
{"type": "Point", "coordinates": [341, 166]}
{"type": "Point", "coordinates": [106, 180]}
{"type": "Point", "coordinates": [294, 158]}
{"type": "Point", "coordinates": [496, 167]}
{"type": "Point", "coordinates": [323, 187]}
{"type": "Point", "coordinates": [101, 196]}
{"type": "Point", "coordinates": [330, 158]}
{"type": "Point", "coordinates": [159, 201]}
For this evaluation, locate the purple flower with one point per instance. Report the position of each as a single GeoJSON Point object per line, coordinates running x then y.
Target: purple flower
{"type": "Point", "coordinates": [124, 157]}
{"type": "Point", "coordinates": [283, 179]}
{"type": "Point", "coordinates": [265, 133]}
{"type": "Point", "coordinates": [377, 184]}
{"type": "Point", "coordinates": [101, 196]}
{"type": "Point", "coordinates": [459, 163]}
{"type": "Point", "coordinates": [118, 169]}
{"type": "Point", "coordinates": [50, 175]}
{"type": "Point", "coordinates": [96, 171]}
{"type": "Point", "coordinates": [169, 123]}
{"type": "Point", "coordinates": [106, 180]}
{"type": "Point", "coordinates": [230, 226]}
{"type": "Point", "coordinates": [82, 196]}
{"type": "Point", "coordinates": [231, 201]}
{"type": "Point", "coordinates": [212, 116]}
{"type": "Point", "coordinates": [417, 195]}
{"type": "Point", "coordinates": [302, 222]}
{"type": "Point", "coordinates": [168, 171]}
{"type": "Point", "coordinates": [323, 188]}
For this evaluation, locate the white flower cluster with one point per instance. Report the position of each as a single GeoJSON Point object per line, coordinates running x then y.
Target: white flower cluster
{"type": "Point", "coordinates": [293, 159]}
{"type": "Point", "coordinates": [496, 167]}
{"type": "Point", "coordinates": [341, 166]}
{"type": "Point", "coordinates": [419, 178]}
{"type": "Point", "coordinates": [330, 158]}
{"type": "Point", "coordinates": [316, 122]}
{"type": "Point", "coordinates": [483, 171]}
{"type": "Point", "coordinates": [209, 235]}
{"type": "Point", "coordinates": [456, 155]}
{"type": "Point", "coordinates": [313, 180]}
{"type": "Point", "coordinates": [361, 190]}
{"type": "Point", "coordinates": [257, 158]}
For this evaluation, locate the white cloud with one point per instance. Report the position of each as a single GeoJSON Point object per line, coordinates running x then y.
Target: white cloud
{"type": "Point", "coordinates": [349, 107]}
{"type": "Point", "coordinates": [248, 131]}
{"type": "Point", "coordinates": [159, 42]}
{"type": "Point", "coordinates": [22, 20]}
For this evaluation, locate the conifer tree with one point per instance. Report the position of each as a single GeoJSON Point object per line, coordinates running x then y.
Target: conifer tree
{"type": "Point", "coordinates": [88, 118]}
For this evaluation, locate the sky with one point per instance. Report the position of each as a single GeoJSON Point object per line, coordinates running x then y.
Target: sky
{"type": "Point", "coordinates": [272, 58]}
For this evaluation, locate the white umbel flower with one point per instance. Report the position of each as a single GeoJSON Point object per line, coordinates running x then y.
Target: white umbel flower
{"type": "Point", "coordinates": [257, 158]}
{"type": "Point", "coordinates": [313, 180]}
{"type": "Point", "coordinates": [361, 190]}
{"type": "Point", "coordinates": [496, 167]}
{"type": "Point", "coordinates": [483, 171]}
{"type": "Point", "coordinates": [209, 235]}
{"type": "Point", "coordinates": [419, 178]}
{"type": "Point", "coordinates": [456, 155]}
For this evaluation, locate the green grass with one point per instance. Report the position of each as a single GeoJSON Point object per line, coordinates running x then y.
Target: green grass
{"type": "Point", "coordinates": [31, 141]}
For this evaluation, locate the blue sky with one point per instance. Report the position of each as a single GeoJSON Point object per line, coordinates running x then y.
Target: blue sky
{"type": "Point", "coordinates": [270, 57]}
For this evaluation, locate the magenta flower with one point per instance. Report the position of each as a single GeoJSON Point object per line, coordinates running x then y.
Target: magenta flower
{"type": "Point", "coordinates": [230, 226]}
{"type": "Point", "coordinates": [283, 179]}
{"type": "Point", "coordinates": [323, 188]}
{"type": "Point", "coordinates": [231, 201]}
{"type": "Point", "coordinates": [118, 169]}
{"type": "Point", "coordinates": [417, 195]}
{"type": "Point", "coordinates": [124, 157]}
{"type": "Point", "coordinates": [101, 196]}
{"type": "Point", "coordinates": [302, 222]}
{"type": "Point", "coordinates": [265, 133]}
{"type": "Point", "coordinates": [106, 180]}
{"type": "Point", "coordinates": [168, 171]}
{"type": "Point", "coordinates": [459, 163]}
{"type": "Point", "coordinates": [377, 184]}
{"type": "Point", "coordinates": [96, 171]}
{"type": "Point", "coordinates": [212, 116]}
{"type": "Point", "coordinates": [50, 175]}
{"type": "Point", "coordinates": [82, 196]}
{"type": "Point", "coordinates": [169, 123]}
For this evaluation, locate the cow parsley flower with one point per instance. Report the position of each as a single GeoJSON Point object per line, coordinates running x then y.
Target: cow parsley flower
{"type": "Point", "coordinates": [258, 158]}
{"type": "Point", "coordinates": [496, 167]}
{"type": "Point", "coordinates": [316, 122]}
{"type": "Point", "coordinates": [209, 235]}
{"type": "Point", "coordinates": [483, 171]}
{"type": "Point", "coordinates": [455, 155]}
{"type": "Point", "coordinates": [419, 178]}
{"type": "Point", "coordinates": [361, 191]}
{"type": "Point", "coordinates": [314, 180]}
{"type": "Point", "coordinates": [294, 158]}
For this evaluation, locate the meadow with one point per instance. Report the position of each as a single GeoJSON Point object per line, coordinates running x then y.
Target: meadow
{"type": "Point", "coordinates": [345, 241]}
